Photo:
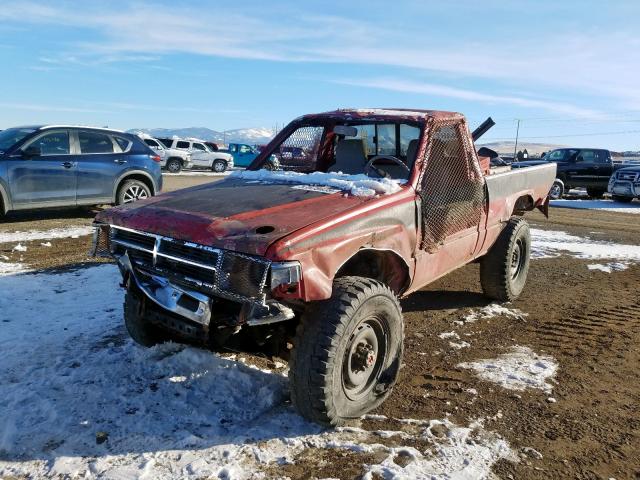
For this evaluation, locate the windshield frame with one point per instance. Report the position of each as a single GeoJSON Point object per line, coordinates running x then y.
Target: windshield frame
{"type": "Point", "coordinates": [29, 131]}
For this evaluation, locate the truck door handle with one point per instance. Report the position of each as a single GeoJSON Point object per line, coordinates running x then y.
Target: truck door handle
{"type": "Point", "coordinates": [67, 164]}
{"type": "Point", "coordinates": [119, 161]}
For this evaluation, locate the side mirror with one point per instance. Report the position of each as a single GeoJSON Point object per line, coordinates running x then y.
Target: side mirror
{"type": "Point", "coordinates": [31, 151]}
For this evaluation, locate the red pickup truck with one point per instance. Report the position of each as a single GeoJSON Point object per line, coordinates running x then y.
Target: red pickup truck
{"type": "Point", "coordinates": [307, 255]}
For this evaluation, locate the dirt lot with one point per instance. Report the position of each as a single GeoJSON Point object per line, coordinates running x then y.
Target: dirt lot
{"type": "Point", "coordinates": [589, 321]}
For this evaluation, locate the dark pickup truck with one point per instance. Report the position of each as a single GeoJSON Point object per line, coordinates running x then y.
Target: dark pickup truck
{"type": "Point", "coordinates": [590, 168]}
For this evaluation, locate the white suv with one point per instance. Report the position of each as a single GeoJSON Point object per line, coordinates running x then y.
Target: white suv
{"type": "Point", "coordinates": [172, 159]}
{"type": "Point", "coordinates": [201, 155]}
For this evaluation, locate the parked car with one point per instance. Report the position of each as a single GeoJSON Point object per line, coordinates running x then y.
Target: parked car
{"type": "Point", "coordinates": [624, 184]}
{"type": "Point", "coordinates": [58, 165]}
{"type": "Point", "coordinates": [201, 155]}
{"type": "Point", "coordinates": [172, 159]}
{"type": "Point", "coordinates": [243, 154]}
{"type": "Point", "coordinates": [590, 168]}
{"type": "Point", "coordinates": [315, 260]}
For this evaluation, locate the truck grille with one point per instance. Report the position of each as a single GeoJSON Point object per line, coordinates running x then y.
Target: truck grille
{"type": "Point", "coordinates": [630, 176]}
{"type": "Point", "coordinates": [210, 270]}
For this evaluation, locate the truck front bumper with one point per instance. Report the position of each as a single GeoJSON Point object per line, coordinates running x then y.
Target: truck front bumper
{"type": "Point", "coordinates": [624, 188]}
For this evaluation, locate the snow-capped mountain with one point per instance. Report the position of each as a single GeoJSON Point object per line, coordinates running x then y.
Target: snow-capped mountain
{"type": "Point", "coordinates": [240, 135]}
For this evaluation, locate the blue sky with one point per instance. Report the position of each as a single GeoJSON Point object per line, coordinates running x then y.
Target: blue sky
{"type": "Point", "coordinates": [570, 70]}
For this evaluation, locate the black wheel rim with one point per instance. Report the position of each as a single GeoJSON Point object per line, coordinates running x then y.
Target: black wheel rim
{"type": "Point", "coordinates": [555, 191]}
{"type": "Point", "coordinates": [133, 193]}
{"type": "Point", "coordinates": [518, 258]}
{"type": "Point", "coordinates": [174, 167]}
{"type": "Point", "coordinates": [364, 358]}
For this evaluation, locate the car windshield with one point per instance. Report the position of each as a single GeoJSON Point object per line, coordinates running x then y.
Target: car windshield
{"type": "Point", "coordinates": [11, 136]}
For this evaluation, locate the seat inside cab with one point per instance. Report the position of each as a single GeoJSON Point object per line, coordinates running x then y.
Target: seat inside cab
{"type": "Point", "coordinates": [378, 150]}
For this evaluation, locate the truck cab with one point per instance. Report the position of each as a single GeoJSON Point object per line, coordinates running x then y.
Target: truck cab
{"type": "Point", "coordinates": [242, 153]}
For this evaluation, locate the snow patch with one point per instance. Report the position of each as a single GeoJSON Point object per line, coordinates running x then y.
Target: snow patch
{"type": "Point", "coordinates": [494, 310]}
{"type": "Point", "coordinates": [7, 268]}
{"type": "Point", "coordinates": [609, 267]}
{"type": "Point", "coordinates": [19, 248]}
{"type": "Point", "coordinates": [89, 402]}
{"type": "Point", "coordinates": [519, 369]}
{"type": "Point", "coordinates": [357, 185]}
{"type": "Point", "coordinates": [604, 205]}
{"type": "Point", "coordinates": [548, 244]}
{"type": "Point", "coordinates": [72, 232]}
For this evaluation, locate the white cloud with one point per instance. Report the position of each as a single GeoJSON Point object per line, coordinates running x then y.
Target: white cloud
{"type": "Point", "coordinates": [601, 63]}
{"type": "Point", "coordinates": [408, 86]}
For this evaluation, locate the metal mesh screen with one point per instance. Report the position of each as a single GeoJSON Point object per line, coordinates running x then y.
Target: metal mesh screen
{"type": "Point", "coordinates": [452, 188]}
{"type": "Point", "coordinates": [299, 151]}
{"type": "Point", "coordinates": [242, 275]}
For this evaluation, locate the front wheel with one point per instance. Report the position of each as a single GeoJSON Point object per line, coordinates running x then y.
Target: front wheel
{"type": "Point", "coordinates": [504, 269]}
{"type": "Point", "coordinates": [618, 198]}
{"type": "Point", "coordinates": [347, 352]}
{"type": "Point", "coordinates": [219, 166]}
{"type": "Point", "coordinates": [140, 329]}
{"type": "Point", "coordinates": [174, 165]}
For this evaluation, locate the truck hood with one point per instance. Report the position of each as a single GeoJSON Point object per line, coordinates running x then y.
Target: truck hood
{"type": "Point", "coordinates": [235, 214]}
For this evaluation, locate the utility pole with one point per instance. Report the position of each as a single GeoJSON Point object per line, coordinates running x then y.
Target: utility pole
{"type": "Point", "coordinates": [515, 148]}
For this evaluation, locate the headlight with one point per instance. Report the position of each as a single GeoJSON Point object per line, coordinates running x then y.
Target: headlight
{"type": "Point", "coordinates": [285, 273]}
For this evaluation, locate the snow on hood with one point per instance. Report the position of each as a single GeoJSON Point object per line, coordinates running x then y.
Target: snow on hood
{"type": "Point", "coordinates": [358, 185]}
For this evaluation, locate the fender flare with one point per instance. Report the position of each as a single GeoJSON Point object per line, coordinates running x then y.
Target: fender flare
{"type": "Point", "coordinates": [123, 176]}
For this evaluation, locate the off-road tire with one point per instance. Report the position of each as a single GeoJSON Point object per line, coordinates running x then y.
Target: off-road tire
{"type": "Point", "coordinates": [503, 270]}
{"type": "Point", "coordinates": [324, 352]}
{"type": "Point", "coordinates": [219, 166]}
{"type": "Point", "coordinates": [128, 186]}
{"type": "Point", "coordinates": [595, 192]}
{"type": "Point", "coordinates": [557, 190]}
{"type": "Point", "coordinates": [140, 329]}
{"type": "Point", "coordinates": [174, 165]}
{"type": "Point", "coordinates": [622, 199]}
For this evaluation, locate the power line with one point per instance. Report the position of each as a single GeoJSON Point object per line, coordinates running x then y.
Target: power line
{"type": "Point", "coordinates": [593, 134]}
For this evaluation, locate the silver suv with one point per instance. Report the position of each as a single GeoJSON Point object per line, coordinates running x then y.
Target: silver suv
{"type": "Point", "coordinates": [201, 154]}
{"type": "Point", "coordinates": [172, 159]}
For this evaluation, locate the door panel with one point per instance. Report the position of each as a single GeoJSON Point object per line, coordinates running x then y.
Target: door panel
{"type": "Point", "coordinates": [48, 177]}
{"type": "Point", "coordinates": [100, 162]}
{"type": "Point", "coordinates": [453, 201]}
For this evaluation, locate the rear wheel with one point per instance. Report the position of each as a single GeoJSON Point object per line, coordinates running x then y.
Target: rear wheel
{"type": "Point", "coordinates": [219, 166]}
{"type": "Point", "coordinates": [347, 352]}
{"type": "Point", "coordinates": [620, 199]}
{"type": "Point", "coordinates": [131, 191]}
{"type": "Point", "coordinates": [174, 165]}
{"type": "Point", "coordinates": [595, 192]}
{"type": "Point", "coordinates": [503, 271]}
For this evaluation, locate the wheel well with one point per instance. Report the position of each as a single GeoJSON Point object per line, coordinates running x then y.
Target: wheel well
{"type": "Point", "coordinates": [383, 265]}
{"type": "Point", "coordinates": [180, 159]}
{"type": "Point", "coordinates": [524, 204]}
{"type": "Point", "coordinates": [136, 176]}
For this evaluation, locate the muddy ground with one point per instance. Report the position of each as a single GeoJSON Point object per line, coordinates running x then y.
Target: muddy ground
{"type": "Point", "coordinates": [589, 321]}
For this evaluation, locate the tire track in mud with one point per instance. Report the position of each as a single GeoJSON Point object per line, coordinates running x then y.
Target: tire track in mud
{"type": "Point", "coordinates": [598, 329]}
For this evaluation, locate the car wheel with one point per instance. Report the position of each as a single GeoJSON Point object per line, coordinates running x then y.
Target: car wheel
{"type": "Point", "coordinates": [140, 329]}
{"type": "Point", "coordinates": [620, 199]}
{"type": "Point", "coordinates": [219, 166]}
{"type": "Point", "coordinates": [504, 269]}
{"type": "Point", "coordinates": [557, 190]}
{"type": "Point", "coordinates": [595, 192]}
{"type": "Point", "coordinates": [347, 352]}
{"type": "Point", "coordinates": [131, 191]}
{"type": "Point", "coordinates": [174, 165]}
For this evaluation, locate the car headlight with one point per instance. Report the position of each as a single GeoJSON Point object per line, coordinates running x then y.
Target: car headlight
{"type": "Point", "coordinates": [285, 273]}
